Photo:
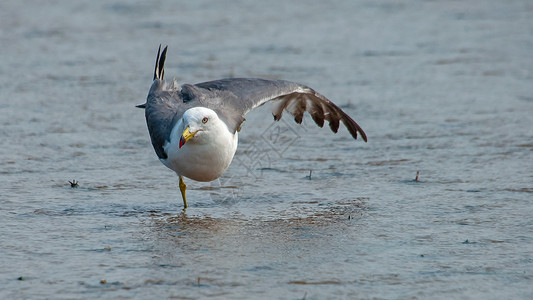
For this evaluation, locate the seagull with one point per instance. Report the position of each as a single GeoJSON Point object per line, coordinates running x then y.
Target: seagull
{"type": "Point", "coordinates": [194, 127]}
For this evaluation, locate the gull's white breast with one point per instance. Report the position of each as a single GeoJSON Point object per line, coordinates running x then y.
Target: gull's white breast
{"type": "Point", "coordinates": [201, 161]}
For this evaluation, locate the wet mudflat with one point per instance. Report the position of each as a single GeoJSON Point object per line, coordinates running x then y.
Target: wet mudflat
{"type": "Point", "coordinates": [440, 87]}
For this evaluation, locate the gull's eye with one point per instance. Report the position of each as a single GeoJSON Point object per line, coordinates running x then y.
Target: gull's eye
{"type": "Point", "coordinates": [204, 120]}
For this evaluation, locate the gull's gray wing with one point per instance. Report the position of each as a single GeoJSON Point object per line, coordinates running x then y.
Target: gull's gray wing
{"type": "Point", "coordinates": [163, 109]}
{"type": "Point", "coordinates": [164, 106]}
{"type": "Point", "coordinates": [232, 98]}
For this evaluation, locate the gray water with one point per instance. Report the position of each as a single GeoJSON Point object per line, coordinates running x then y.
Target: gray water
{"type": "Point", "coordinates": [440, 87]}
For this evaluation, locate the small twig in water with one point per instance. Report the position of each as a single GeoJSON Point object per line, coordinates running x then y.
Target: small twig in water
{"type": "Point", "coordinates": [310, 173]}
{"type": "Point", "coordinates": [73, 183]}
{"type": "Point", "coordinates": [416, 178]}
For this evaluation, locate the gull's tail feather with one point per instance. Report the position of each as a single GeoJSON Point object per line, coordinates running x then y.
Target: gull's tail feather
{"type": "Point", "coordinates": [159, 71]}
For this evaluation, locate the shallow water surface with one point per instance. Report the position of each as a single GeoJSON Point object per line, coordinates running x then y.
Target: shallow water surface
{"type": "Point", "coordinates": [440, 87]}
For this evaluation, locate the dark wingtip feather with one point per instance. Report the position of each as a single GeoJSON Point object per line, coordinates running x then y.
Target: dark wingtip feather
{"type": "Point", "coordinates": [318, 120]}
{"type": "Point", "coordinates": [159, 71]}
{"type": "Point", "coordinates": [354, 128]}
{"type": "Point", "coordinates": [157, 62]}
{"type": "Point", "coordinates": [334, 125]}
{"type": "Point", "coordinates": [358, 129]}
{"type": "Point", "coordinates": [317, 113]}
{"type": "Point", "coordinates": [162, 63]}
{"type": "Point", "coordinates": [298, 109]}
{"type": "Point", "coordinates": [363, 135]}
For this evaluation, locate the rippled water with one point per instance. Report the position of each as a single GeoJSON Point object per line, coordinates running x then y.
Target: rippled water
{"type": "Point", "coordinates": [440, 87]}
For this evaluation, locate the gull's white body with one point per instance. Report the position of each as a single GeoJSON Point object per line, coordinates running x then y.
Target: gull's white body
{"type": "Point", "coordinates": [208, 154]}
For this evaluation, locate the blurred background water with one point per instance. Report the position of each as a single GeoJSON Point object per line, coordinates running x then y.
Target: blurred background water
{"type": "Point", "coordinates": [440, 87]}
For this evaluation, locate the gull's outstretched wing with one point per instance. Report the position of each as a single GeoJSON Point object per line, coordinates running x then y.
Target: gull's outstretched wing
{"type": "Point", "coordinates": [232, 98]}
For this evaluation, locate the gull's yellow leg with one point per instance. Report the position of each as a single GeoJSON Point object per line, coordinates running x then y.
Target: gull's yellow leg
{"type": "Point", "coordinates": [183, 187]}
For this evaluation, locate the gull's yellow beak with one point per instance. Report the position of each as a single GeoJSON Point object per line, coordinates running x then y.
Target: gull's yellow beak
{"type": "Point", "coordinates": [187, 135]}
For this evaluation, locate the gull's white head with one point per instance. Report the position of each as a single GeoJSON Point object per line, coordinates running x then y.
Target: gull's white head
{"type": "Point", "coordinates": [200, 125]}
{"type": "Point", "coordinates": [201, 146]}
